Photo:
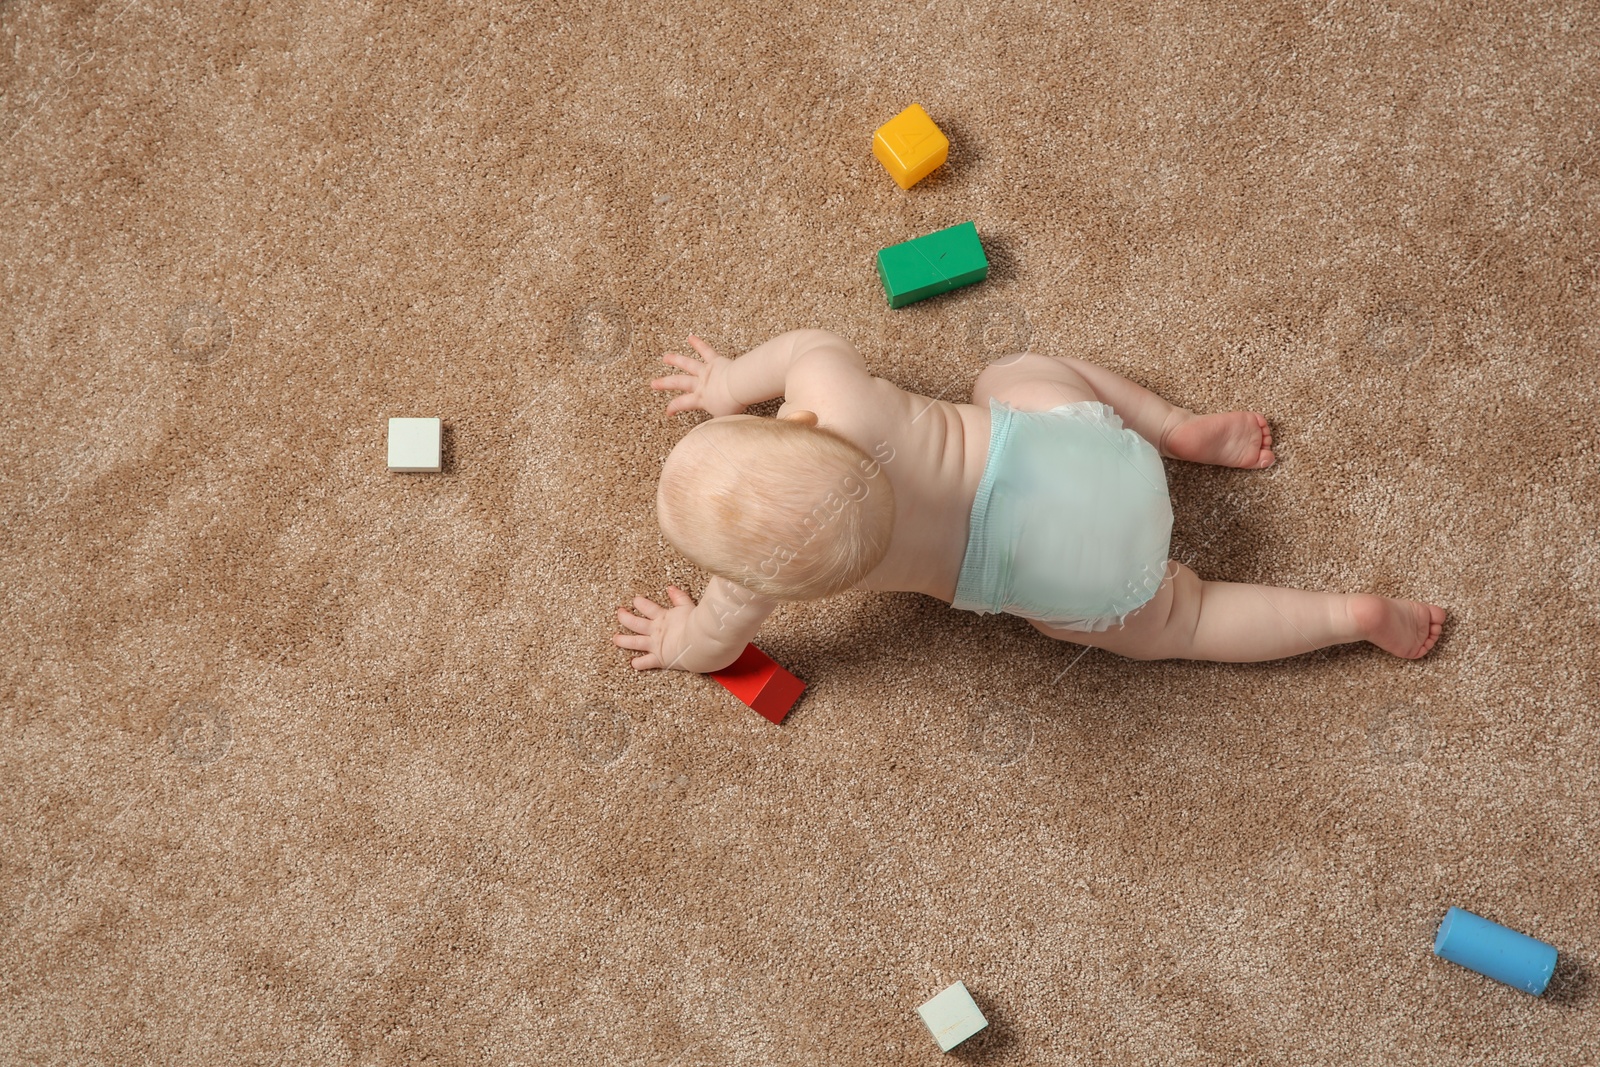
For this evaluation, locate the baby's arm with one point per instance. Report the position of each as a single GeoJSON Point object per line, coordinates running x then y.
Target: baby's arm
{"type": "Point", "coordinates": [687, 636]}
{"type": "Point", "coordinates": [725, 386]}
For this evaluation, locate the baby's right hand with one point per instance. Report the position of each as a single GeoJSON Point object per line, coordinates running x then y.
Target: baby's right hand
{"type": "Point", "coordinates": [705, 385]}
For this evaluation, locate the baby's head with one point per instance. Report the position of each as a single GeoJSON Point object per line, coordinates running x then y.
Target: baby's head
{"type": "Point", "coordinates": [780, 506]}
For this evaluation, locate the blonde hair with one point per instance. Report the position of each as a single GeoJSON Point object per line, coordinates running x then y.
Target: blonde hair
{"type": "Point", "coordinates": [794, 512]}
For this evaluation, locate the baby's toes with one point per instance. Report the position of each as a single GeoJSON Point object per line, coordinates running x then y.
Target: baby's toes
{"type": "Point", "coordinates": [1268, 458]}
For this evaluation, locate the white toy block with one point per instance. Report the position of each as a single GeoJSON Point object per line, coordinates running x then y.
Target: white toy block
{"type": "Point", "coordinates": [414, 444]}
{"type": "Point", "coordinates": [952, 1016]}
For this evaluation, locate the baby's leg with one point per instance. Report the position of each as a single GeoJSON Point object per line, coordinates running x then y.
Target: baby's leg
{"type": "Point", "coordinates": [1229, 622]}
{"type": "Point", "coordinates": [1227, 439]}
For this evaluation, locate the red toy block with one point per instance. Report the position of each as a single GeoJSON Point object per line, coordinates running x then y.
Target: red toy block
{"type": "Point", "coordinates": [755, 679]}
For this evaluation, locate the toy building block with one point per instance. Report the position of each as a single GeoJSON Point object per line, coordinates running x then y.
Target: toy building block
{"type": "Point", "coordinates": [932, 264]}
{"type": "Point", "coordinates": [910, 146]}
{"type": "Point", "coordinates": [952, 1016]}
{"type": "Point", "coordinates": [1495, 951]}
{"type": "Point", "coordinates": [414, 444]}
{"type": "Point", "coordinates": [763, 685]}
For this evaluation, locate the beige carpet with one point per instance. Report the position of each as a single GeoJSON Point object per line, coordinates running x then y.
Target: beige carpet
{"type": "Point", "coordinates": [307, 762]}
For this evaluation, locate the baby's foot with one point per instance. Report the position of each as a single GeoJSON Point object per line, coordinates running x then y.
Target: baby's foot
{"type": "Point", "coordinates": [1406, 628]}
{"type": "Point", "coordinates": [1228, 439]}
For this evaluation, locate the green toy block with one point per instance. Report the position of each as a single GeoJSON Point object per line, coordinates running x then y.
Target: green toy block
{"type": "Point", "coordinates": [932, 264]}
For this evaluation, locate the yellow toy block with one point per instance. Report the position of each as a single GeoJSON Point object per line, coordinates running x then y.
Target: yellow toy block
{"type": "Point", "coordinates": [909, 146]}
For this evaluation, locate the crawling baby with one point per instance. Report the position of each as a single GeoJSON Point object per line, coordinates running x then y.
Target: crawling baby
{"type": "Point", "coordinates": [1044, 498]}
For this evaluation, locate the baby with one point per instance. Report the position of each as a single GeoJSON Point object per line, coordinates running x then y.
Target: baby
{"type": "Point", "coordinates": [1045, 498]}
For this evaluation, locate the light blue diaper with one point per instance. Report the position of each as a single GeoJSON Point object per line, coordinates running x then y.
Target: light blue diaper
{"type": "Point", "coordinates": [1072, 522]}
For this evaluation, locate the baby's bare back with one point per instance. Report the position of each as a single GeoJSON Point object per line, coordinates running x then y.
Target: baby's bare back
{"type": "Point", "coordinates": [932, 453]}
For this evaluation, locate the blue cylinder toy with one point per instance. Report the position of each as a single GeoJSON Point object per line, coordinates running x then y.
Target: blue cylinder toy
{"type": "Point", "coordinates": [1495, 951]}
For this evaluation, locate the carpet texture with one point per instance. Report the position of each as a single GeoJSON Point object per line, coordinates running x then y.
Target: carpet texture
{"type": "Point", "coordinates": [306, 762]}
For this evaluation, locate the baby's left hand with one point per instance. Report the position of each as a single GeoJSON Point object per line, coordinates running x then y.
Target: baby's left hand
{"type": "Point", "coordinates": [705, 385]}
{"type": "Point", "coordinates": [662, 634]}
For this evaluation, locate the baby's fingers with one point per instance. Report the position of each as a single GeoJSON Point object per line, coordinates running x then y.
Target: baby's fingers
{"type": "Point", "coordinates": [688, 363]}
{"type": "Point", "coordinates": [646, 662]}
{"type": "Point", "coordinates": [633, 622]}
{"type": "Point", "coordinates": [682, 383]}
{"type": "Point", "coordinates": [705, 350]}
{"type": "Point", "coordinates": [647, 607]}
{"type": "Point", "coordinates": [635, 642]}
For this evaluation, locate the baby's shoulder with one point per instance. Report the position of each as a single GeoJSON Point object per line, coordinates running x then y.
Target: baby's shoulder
{"type": "Point", "coordinates": [841, 391]}
{"type": "Point", "coordinates": [876, 415]}
{"type": "Point", "coordinates": [825, 370]}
